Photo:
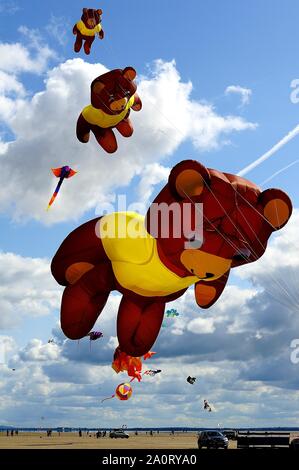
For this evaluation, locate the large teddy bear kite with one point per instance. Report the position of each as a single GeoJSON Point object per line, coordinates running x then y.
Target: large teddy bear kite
{"type": "Point", "coordinates": [152, 268]}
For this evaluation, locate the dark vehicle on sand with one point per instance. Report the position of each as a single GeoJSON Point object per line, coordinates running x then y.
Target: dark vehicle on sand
{"type": "Point", "coordinates": [119, 433]}
{"type": "Point", "coordinates": [212, 439]}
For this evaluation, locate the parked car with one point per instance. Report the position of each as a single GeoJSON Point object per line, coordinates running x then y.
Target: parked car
{"type": "Point", "coordinates": [230, 434]}
{"type": "Point", "coordinates": [212, 439]}
{"type": "Point", "coordinates": [118, 433]}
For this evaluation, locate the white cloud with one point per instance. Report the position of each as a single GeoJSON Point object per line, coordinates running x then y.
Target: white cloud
{"type": "Point", "coordinates": [7, 346]}
{"type": "Point", "coordinates": [152, 174]}
{"type": "Point", "coordinates": [48, 392]}
{"type": "Point", "coordinates": [36, 351]}
{"type": "Point", "coordinates": [245, 93]}
{"type": "Point", "coordinates": [277, 272]}
{"type": "Point", "coordinates": [112, 343]}
{"type": "Point", "coordinates": [10, 84]}
{"type": "Point", "coordinates": [26, 289]}
{"type": "Point", "coordinates": [59, 28]}
{"type": "Point", "coordinates": [33, 57]}
{"type": "Point", "coordinates": [9, 7]}
{"type": "Point", "coordinates": [44, 126]}
{"type": "Point", "coordinates": [201, 325]}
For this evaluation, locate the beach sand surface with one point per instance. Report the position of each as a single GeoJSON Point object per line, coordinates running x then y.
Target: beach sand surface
{"type": "Point", "coordinates": [69, 440]}
{"type": "Point", "coordinates": [73, 441]}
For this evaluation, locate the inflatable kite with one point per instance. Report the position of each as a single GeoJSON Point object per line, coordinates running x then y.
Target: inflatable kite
{"type": "Point", "coordinates": [172, 313]}
{"type": "Point", "coordinates": [113, 95]}
{"type": "Point", "coordinates": [206, 406]}
{"type": "Point", "coordinates": [153, 260]}
{"type": "Point", "coordinates": [122, 392]}
{"type": "Point", "coordinates": [87, 28]}
{"type": "Point", "coordinates": [133, 365]}
{"type": "Point", "coordinates": [61, 173]}
{"type": "Point", "coordinates": [191, 380]}
{"type": "Point", "coordinates": [152, 373]}
{"type": "Point", "coordinates": [94, 335]}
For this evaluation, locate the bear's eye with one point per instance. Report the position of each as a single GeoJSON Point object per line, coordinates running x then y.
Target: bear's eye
{"type": "Point", "coordinates": [242, 254]}
{"type": "Point", "coordinates": [111, 97]}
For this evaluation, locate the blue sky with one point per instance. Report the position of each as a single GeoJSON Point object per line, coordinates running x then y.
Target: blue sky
{"type": "Point", "coordinates": [186, 54]}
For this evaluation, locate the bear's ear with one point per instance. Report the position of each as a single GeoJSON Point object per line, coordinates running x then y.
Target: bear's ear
{"type": "Point", "coordinates": [99, 11]}
{"type": "Point", "coordinates": [97, 87]}
{"type": "Point", "coordinates": [277, 207]}
{"type": "Point", "coordinates": [85, 11]}
{"type": "Point", "coordinates": [188, 178]}
{"type": "Point", "coordinates": [129, 73]}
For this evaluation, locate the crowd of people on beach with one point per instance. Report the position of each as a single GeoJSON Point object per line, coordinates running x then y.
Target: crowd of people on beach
{"type": "Point", "coordinates": [88, 433]}
{"type": "Point", "coordinates": [97, 434]}
{"type": "Point", "coordinates": [11, 432]}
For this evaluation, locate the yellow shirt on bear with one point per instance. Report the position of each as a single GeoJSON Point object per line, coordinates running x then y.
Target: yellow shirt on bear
{"type": "Point", "coordinates": [99, 118]}
{"type": "Point", "coordinates": [86, 31]}
{"type": "Point", "coordinates": [134, 256]}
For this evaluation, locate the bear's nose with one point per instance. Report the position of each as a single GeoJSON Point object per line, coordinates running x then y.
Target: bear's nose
{"type": "Point", "coordinates": [119, 104]}
{"type": "Point", "coordinates": [209, 275]}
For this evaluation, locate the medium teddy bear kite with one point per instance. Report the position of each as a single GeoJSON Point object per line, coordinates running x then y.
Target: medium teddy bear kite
{"type": "Point", "coordinates": [113, 95]}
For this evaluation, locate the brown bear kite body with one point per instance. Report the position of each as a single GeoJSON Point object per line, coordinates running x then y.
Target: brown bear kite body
{"type": "Point", "coordinates": [86, 29]}
{"type": "Point", "coordinates": [113, 95]}
{"type": "Point", "coordinates": [151, 270]}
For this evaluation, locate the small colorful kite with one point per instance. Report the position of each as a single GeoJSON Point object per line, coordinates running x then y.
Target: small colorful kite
{"type": "Point", "coordinates": [61, 173]}
{"type": "Point", "coordinates": [191, 380]}
{"type": "Point", "coordinates": [133, 365]}
{"type": "Point", "coordinates": [172, 313]}
{"type": "Point", "coordinates": [206, 406]}
{"type": "Point", "coordinates": [94, 335]}
{"type": "Point", "coordinates": [151, 372]}
{"type": "Point", "coordinates": [123, 392]}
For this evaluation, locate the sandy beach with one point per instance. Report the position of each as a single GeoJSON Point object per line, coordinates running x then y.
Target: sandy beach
{"type": "Point", "coordinates": [70, 440]}
{"type": "Point", "coordinates": [73, 441]}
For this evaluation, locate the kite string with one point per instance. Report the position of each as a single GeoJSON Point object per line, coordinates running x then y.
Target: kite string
{"type": "Point", "coordinates": [108, 398]}
{"type": "Point", "coordinates": [281, 287]}
{"type": "Point", "coordinates": [261, 244]}
{"type": "Point", "coordinates": [278, 172]}
{"type": "Point", "coordinates": [275, 148]}
{"type": "Point", "coordinates": [254, 233]}
{"type": "Point", "coordinates": [256, 237]}
{"type": "Point", "coordinates": [226, 239]}
{"type": "Point", "coordinates": [276, 281]}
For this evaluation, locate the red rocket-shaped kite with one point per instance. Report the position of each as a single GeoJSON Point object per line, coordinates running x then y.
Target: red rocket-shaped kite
{"type": "Point", "coordinates": [61, 173]}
